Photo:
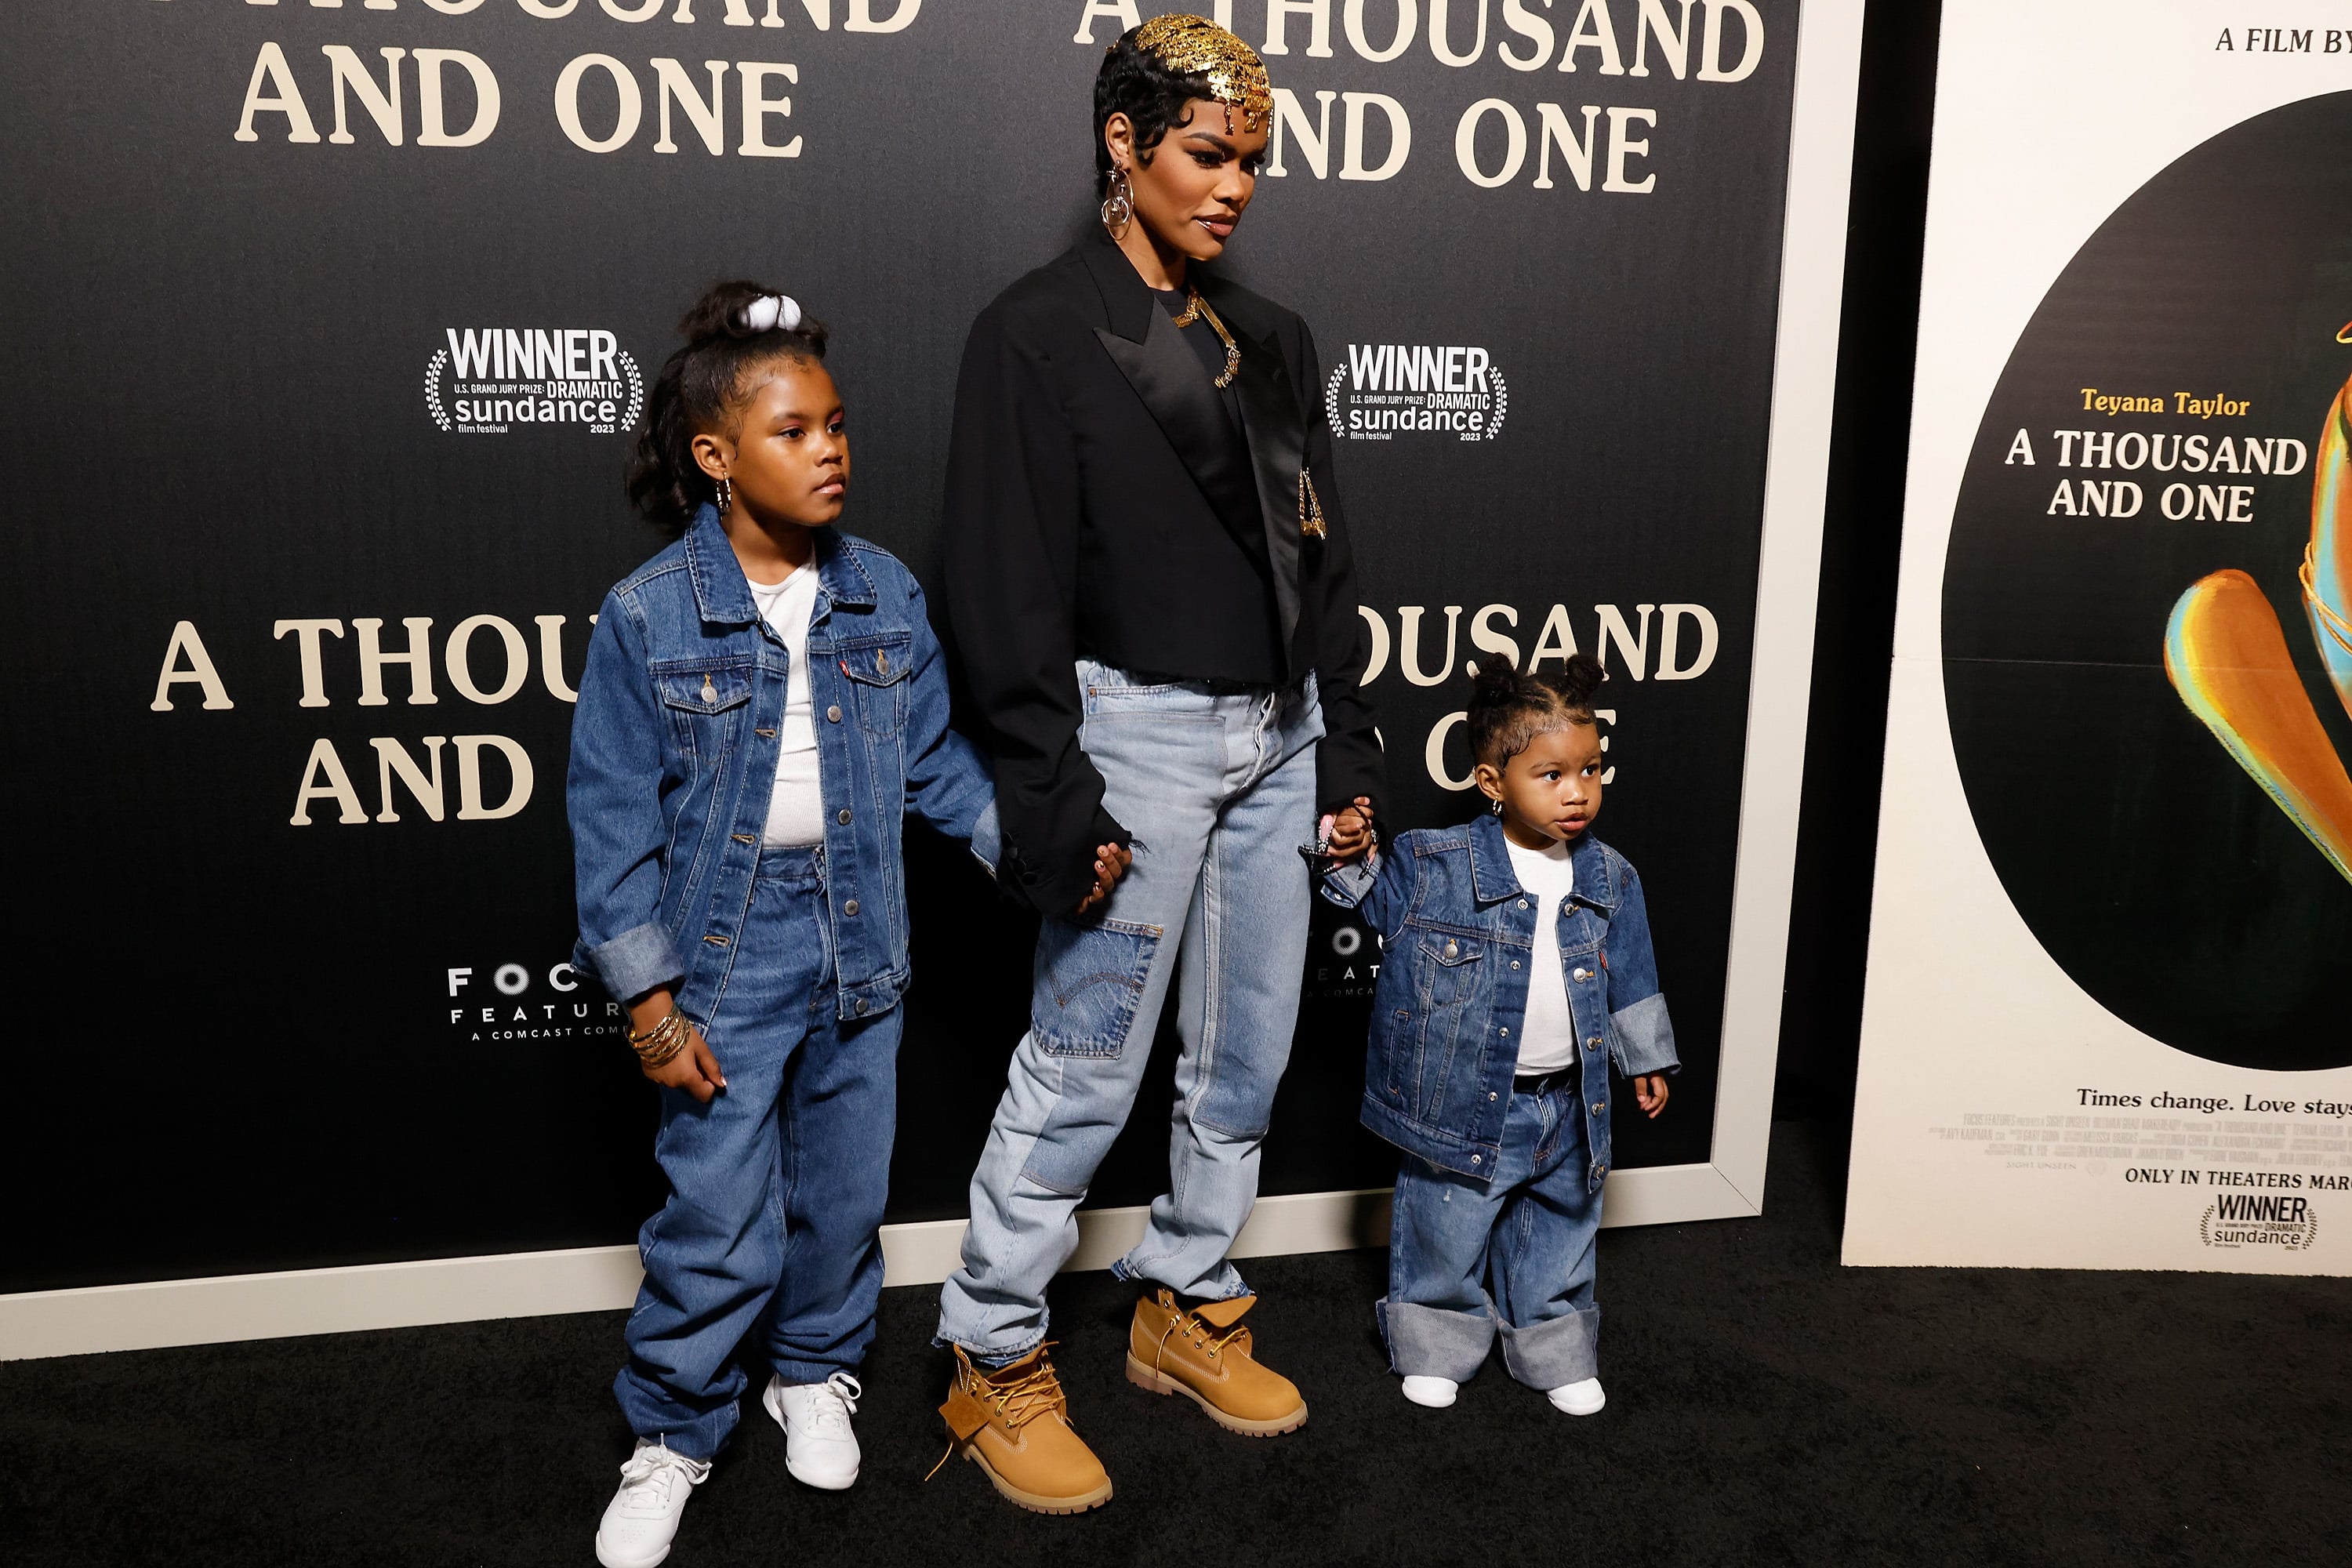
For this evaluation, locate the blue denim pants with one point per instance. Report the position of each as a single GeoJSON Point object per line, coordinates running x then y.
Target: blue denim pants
{"type": "Point", "coordinates": [774, 1221]}
{"type": "Point", "coordinates": [1218, 791]}
{"type": "Point", "coordinates": [1511, 1254]}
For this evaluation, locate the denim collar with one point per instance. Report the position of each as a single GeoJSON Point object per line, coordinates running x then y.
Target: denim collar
{"type": "Point", "coordinates": [723, 596]}
{"type": "Point", "coordinates": [1492, 879]}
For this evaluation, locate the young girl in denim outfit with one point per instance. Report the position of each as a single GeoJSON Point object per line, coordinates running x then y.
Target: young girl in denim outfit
{"type": "Point", "coordinates": [763, 701]}
{"type": "Point", "coordinates": [1516, 969]}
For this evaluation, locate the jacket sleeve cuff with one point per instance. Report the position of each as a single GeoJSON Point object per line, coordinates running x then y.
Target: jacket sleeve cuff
{"type": "Point", "coordinates": [1643, 1038]}
{"type": "Point", "coordinates": [639, 960]}
{"type": "Point", "coordinates": [988, 838]}
{"type": "Point", "coordinates": [1347, 886]}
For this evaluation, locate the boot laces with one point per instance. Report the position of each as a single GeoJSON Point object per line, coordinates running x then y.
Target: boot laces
{"type": "Point", "coordinates": [1197, 1330]}
{"type": "Point", "coordinates": [1028, 1396]}
{"type": "Point", "coordinates": [651, 1473]}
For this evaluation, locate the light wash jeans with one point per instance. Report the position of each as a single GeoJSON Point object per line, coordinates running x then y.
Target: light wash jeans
{"type": "Point", "coordinates": [1512, 1253]}
{"type": "Point", "coordinates": [1218, 792]}
{"type": "Point", "coordinates": [772, 1227]}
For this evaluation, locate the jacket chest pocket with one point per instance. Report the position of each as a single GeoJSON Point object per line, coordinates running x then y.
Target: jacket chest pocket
{"type": "Point", "coordinates": [1452, 971]}
{"type": "Point", "coordinates": [706, 702]}
{"type": "Point", "coordinates": [878, 670]}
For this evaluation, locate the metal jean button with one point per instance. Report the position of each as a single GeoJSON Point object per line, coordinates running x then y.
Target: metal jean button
{"type": "Point", "coordinates": [833, 714]}
{"type": "Point", "coordinates": [850, 908]}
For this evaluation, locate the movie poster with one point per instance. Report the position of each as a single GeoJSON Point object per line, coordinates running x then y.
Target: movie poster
{"type": "Point", "coordinates": [2109, 1020]}
{"type": "Point", "coordinates": [331, 326]}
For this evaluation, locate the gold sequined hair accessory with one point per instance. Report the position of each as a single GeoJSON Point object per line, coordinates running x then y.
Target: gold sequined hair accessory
{"type": "Point", "coordinates": [1194, 46]}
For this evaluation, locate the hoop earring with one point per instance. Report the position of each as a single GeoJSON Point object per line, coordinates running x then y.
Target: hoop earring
{"type": "Point", "coordinates": [1498, 808]}
{"type": "Point", "coordinates": [725, 496]}
{"type": "Point", "coordinates": [1118, 204]}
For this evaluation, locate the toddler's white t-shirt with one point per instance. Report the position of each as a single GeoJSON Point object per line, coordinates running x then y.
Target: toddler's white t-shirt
{"type": "Point", "coordinates": [796, 808]}
{"type": "Point", "coordinates": [1548, 1038]}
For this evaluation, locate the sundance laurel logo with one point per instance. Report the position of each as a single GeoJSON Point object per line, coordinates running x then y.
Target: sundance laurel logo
{"type": "Point", "coordinates": [1387, 390]}
{"type": "Point", "coordinates": [2234, 1220]}
{"type": "Point", "coordinates": [491, 380]}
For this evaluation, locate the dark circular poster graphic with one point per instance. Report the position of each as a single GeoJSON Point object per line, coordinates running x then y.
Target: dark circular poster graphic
{"type": "Point", "coordinates": [2147, 652]}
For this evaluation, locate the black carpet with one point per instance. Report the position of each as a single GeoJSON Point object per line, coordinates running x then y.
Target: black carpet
{"type": "Point", "coordinates": [1766, 1405]}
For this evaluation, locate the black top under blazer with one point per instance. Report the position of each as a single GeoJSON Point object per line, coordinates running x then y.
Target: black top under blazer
{"type": "Point", "coordinates": [1098, 500]}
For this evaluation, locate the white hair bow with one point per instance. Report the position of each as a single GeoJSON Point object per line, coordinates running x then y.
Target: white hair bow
{"type": "Point", "coordinates": [770, 312]}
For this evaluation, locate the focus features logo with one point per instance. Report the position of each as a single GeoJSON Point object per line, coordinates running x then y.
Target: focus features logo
{"type": "Point", "coordinates": [1386, 390]}
{"type": "Point", "coordinates": [491, 378]}
{"type": "Point", "coordinates": [2259, 1219]}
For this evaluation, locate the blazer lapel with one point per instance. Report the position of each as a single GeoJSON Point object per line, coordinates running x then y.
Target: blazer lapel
{"type": "Point", "coordinates": [1168, 376]}
{"type": "Point", "coordinates": [1277, 449]}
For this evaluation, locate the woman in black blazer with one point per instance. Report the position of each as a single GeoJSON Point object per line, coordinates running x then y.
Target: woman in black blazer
{"type": "Point", "coordinates": [1149, 576]}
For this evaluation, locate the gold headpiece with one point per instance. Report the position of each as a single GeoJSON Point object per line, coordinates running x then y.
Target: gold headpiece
{"type": "Point", "coordinates": [1194, 46]}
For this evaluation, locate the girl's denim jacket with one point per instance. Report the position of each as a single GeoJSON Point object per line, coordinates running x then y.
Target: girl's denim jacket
{"type": "Point", "coordinates": [1457, 934]}
{"type": "Point", "coordinates": [673, 759]}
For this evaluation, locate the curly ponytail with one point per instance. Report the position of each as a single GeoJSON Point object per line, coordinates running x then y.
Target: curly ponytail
{"type": "Point", "coordinates": [1509, 707]}
{"type": "Point", "coordinates": [701, 388]}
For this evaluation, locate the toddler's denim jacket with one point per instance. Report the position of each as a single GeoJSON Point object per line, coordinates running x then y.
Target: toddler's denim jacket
{"type": "Point", "coordinates": [1457, 934]}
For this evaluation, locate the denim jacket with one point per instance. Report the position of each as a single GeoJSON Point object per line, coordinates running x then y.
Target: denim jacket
{"type": "Point", "coordinates": [674, 760]}
{"type": "Point", "coordinates": [1457, 932]}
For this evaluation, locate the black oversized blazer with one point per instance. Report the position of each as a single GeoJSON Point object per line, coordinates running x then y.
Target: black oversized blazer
{"type": "Point", "coordinates": [1090, 458]}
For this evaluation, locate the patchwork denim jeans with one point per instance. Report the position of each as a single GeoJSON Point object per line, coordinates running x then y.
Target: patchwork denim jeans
{"type": "Point", "coordinates": [1218, 791]}
{"type": "Point", "coordinates": [1511, 1254]}
{"type": "Point", "coordinates": [772, 1226]}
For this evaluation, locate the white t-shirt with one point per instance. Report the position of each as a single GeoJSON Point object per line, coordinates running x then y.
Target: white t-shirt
{"type": "Point", "coordinates": [1547, 1036]}
{"type": "Point", "coordinates": [796, 808]}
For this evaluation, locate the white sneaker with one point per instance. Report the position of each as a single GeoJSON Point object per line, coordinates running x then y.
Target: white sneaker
{"type": "Point", "coordinates": [820, 1449]}
{"type": "Point", "coordinates": [1437, 1393]}
{"type": "Point", "coordinates": [643, 1515]}
{"type": "Point", "coordinates": [1579, 1398]}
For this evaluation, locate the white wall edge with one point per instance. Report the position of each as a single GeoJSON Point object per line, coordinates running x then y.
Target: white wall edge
{"type": "Point", "coordinates": [166, 1312]}
{"type": "Point", "coordinates": [1796, 484]}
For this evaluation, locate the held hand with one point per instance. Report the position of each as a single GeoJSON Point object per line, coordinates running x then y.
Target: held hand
{"type": "Point", "coordinates": [1351, 832]}
{"type": "Point", "coordinates": [1111, 862]}
{"type": "Point", "coordinates": [1649, 1093]}
{"type": "Point", "coordinates": [693, 1070]}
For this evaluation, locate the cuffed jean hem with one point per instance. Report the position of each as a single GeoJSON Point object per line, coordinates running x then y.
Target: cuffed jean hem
{"type": "Point", "coordinates": [797, 1373]}
{"type": "Point", "coordinates": [1225, 1287]}
{"type": "Point", "coordinates": [699, 1437]}
{"type": "Point", "coordinates": [1434, 1342]}
{"type": "Point", "coordinates": [989, 1355]}
{"type": "Point", "coordinates": [1556, 1352]}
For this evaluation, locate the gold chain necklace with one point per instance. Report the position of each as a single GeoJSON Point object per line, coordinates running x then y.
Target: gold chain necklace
{"type": "Point", "coordinates": [1195, 309]}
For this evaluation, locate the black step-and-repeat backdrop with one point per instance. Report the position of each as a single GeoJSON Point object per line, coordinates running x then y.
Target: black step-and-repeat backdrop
{"type": "Point", "coordinates": [327, 324]}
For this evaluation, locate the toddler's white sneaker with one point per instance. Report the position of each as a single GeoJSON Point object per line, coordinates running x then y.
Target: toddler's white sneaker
{"type": "Point", "coordinates": [1579, 1398]}
{"type": "Point", "coordinates": [1437, 1393]}
{"type": "Point", "coordinates": [820, 1448]}
{"type": "Point", "coordinates": [642, 1516]}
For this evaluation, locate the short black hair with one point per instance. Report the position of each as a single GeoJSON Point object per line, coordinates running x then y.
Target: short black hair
{"type": "Point", "coordinates": [1509, 707]}
{"type": "Point", "coordinates": [1133, 82]}
{"type": "Point", "coordinates": [701, 388]}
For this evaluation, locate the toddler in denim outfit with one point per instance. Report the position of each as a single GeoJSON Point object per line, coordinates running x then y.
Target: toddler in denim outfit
{"type": "Point", "coordinates": [1516, 969]}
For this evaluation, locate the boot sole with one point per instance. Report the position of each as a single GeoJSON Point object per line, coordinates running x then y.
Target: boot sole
{"type": "Point", "coordinates": [1032, 1502]}
{"type": "Point", "coordinates": [1153, 1382]}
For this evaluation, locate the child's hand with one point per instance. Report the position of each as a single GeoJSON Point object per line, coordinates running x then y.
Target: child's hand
{"type": "Point", "coordinates": [1111, 862]}
{"type": "Point", "coordinates": [693, 1068]}
{"type": "Point", "coordinates": [1351, 832]}
{"type": "Point", "coordinates": [1649, 1093]}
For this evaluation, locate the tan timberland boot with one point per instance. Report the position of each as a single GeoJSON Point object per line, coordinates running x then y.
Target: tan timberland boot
{"type": "Point", "coordinates": [1204, 1355]}
{"type": "Point", "coordinates": [1015, 1424]}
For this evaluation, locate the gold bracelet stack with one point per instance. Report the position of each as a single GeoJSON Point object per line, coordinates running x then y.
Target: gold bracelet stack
{"type": "Point", "coordinates": [659, 1044]}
